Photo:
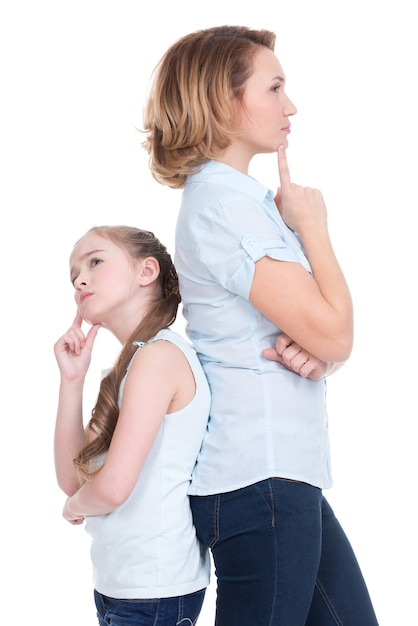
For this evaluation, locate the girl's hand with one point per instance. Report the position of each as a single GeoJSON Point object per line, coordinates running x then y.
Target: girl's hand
{"type": "Point", "coordinates": [75, 520]}
{"type": "Point", "coordinates": [73, 350]}
{"type": "Point", "coordinates": [300, 207]}
{"type": "Point", "coordinates": [296, 359]}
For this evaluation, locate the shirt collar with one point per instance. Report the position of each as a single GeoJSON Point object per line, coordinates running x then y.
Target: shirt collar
{"type": "Point", "coordinates": [218, 173]}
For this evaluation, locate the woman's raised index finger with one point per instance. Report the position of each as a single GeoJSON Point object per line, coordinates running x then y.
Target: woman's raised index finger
{"type": "Point", "coordinates": [284, 173]}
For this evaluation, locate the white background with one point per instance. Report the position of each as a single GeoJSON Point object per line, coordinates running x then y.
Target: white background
{"type": "Point", "coordinates": [73, 81]}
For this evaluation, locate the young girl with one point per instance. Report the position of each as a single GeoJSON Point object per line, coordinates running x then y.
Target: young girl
{"type": "Point", "coordinates": [127, 474]}
{"type": "Point", "coordinates": [253, 264]}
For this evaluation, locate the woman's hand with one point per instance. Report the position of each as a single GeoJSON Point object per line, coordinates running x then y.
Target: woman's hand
{"type": "Point", "coordinates": [302, 208]}
{"type": "Point", "coordinates": [297, 360]}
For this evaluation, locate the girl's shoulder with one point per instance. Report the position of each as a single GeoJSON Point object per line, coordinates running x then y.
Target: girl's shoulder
{"type": "Point", "coordinates": [165, 343]}
{"type": "Point", "coordinates": [169, 335]}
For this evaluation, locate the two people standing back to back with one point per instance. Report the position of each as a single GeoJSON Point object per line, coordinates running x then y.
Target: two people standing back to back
{"type": "Point", "coordinates": [269, 315]}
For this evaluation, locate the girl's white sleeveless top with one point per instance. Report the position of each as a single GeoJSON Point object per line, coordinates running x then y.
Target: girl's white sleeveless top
{"type": "Point", "coordinates": [147, 548]}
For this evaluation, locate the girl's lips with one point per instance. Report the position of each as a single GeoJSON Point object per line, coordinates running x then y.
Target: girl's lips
{"type": "Point", "coordinates": [84, 296]}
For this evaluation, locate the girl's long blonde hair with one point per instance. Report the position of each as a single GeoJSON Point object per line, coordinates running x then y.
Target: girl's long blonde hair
{"type": "Point", "coordinates": [161, 314]}
{"type": "Point", "coordinates": [189, 115]}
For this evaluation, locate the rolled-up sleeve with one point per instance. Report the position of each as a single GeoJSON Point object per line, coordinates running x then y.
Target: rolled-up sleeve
{"type": "Point", "coordinates": [230, 245]}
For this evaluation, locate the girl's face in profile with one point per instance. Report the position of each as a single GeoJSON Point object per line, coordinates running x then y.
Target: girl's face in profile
{"type": "Point", "coordinates": [263, 116]}
{"type": "Point", "coordinates": [104, 278]}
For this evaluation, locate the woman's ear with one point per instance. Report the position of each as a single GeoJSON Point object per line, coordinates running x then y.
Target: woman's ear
{"type": "Point", "coordinates": [148, 271]}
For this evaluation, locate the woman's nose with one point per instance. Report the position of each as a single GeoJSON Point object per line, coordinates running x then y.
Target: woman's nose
{"type": "Point", "coordinates": [290, 107]}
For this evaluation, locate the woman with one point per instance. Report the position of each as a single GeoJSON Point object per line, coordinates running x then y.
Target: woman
{"type": "Point", "coordinates": [253, 264]}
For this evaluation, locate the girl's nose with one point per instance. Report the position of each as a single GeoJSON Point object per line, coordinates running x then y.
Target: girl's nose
{"type": "Point", "coordinates": [79, 282]}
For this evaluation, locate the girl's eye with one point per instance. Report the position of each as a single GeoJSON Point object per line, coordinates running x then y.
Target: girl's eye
{"type": "Point", "coordinates": [94, 262]}
{"type": "Point", "coordinates": [276, 88]}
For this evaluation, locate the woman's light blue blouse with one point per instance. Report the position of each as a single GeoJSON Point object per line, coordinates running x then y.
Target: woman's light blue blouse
{"type": "Point", "coordinates": [264, 421]}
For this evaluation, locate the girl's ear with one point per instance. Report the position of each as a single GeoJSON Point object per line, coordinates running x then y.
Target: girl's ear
{"type": "Point", "coordinates": [149, 270]}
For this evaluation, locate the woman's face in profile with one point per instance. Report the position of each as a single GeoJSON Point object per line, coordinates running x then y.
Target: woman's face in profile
{"type": "Point", "coordinates": [263, 115]}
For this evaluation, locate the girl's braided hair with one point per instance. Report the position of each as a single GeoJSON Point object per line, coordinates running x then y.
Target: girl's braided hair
{"type": "Point", "coordinates": [161, 314]}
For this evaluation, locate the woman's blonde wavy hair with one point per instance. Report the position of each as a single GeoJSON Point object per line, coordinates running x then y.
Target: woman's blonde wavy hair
{"type": "Point", "coordinates": [189, 115]}
{"type": "Point", "coordinates": [161, 314]}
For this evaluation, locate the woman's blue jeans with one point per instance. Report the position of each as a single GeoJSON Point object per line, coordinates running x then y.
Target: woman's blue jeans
{"type": "Point", "coordinates": [281, 558]}
{"type": "Point", "coordinates": [178, 611]}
